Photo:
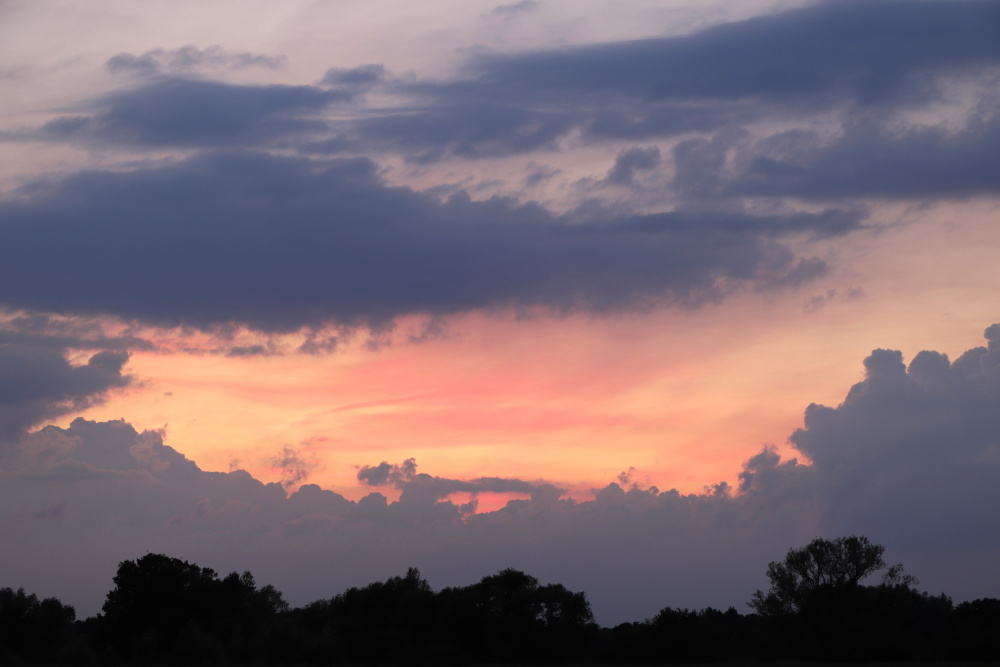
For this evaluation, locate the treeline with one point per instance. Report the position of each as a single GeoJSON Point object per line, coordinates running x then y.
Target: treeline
{"type": "Point", "coordinates": [167, 611]}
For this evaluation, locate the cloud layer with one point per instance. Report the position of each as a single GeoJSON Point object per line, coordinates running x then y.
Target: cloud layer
{"type": "Point", "coordinates": [237, 232]}
{"type": "Point", "coordinates": [910, 458]}
{"type": "Point", "coordinates": [278, 243]}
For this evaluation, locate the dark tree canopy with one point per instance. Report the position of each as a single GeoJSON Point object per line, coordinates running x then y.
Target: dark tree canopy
{"type": "Point", "coordinates": [167, 611]}
{"type": "Point", "coordinates": [823, 565]}
{"type": "Point", "coordinates": [169, 607]}
{"type": "Point", "coordinates": [27, 621]}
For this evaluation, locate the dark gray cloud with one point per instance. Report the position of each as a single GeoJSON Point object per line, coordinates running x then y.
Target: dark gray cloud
{"type": "Point", "coordinates": [628, 162]}
{"type": "Point", "coordinates": [170, 111]}
{"type": "Point", "coordinates": [875, 161]}
{"type": "Point", "coordinates": [474, 128]}
{"type": "Point", "coordinates": [279, 243]}
{"type": "Point", "coordinates": [187, 59]}
{"type": "Point", "coordinates": [861, 60]}
{"type": "Point", "coordinates": [853, 54]}
{"type": "Point", "coordinates": [856, 50]}
{"type": "Point", "coordinates": [142, 495]}
{"type": "Point", "coordinates": [38, 383]}
{"type": "Point", "coordinates": [388, 474]}
{"type": "Point", "coordinates": [924, 437]}
{"type": "Point", "coordinates": [356, 77]}
{"type": "Point", "coordinates": [40, 330]}
{"type": "Point", "coordinates": [421, 488]}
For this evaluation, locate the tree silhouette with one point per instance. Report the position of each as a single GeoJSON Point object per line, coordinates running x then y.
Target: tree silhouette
{"type": "Point", "coordinates": [165, 610]}
{"type": "Point", "coordinates": [820, 569]}
{"type": "Point", "coordinates": [167, 607]}
{"type": "Point", "coordinates": [509, 616]}
{"type": "Point", "coordinates": [28, 623]}
{"type": "Point", "coordinates": [817, 595]}
{"type": "Point", "coordinates": [383, 621]}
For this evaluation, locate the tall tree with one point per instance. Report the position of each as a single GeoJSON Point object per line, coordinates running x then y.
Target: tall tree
{"type": "Point", "coordinates": [822, 566]}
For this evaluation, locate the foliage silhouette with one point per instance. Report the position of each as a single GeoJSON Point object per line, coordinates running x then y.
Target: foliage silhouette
{"type": "Point", "coordinates": [32, 625]}
{"type": "Point", "coordinates": [819, 573]}
{"type": "Point", "coordinates": [167, 607]}
{"type": "Point", "coordinates": [817, 592]}
{"type": "Point", "coordinates": [164, 610]}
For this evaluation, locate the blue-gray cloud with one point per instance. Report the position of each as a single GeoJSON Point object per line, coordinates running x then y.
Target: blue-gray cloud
{"type": "Point", "coordinates": [862, 51]}
{"type": "Point", "coordinates": [38, 383]}
{"type": "Point", "coordinates": [279, 243]}
{"type": "Point", "coordinates": [172, 111]}
{"type": "Point", "coordinates": [857, 61]}
{"type": "Point", "coordinates": [629, 162]}
{"type": "Point", "coordinates": [421, 488]}
{"type": "Point", "coordinates": [187, 59]}
{"type": "Point", "coordinates": [874, 161]}
{"type": "Point", "coordinates": [865, 56]}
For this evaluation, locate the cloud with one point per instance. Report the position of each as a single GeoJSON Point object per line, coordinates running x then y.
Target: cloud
{"type": "Point", "coordinates": [515, 9]}
{"type": "Point", "coordinates": [630, 161]}
{"type": "Point", "coordinates": [357, 77]}
{"type": "Point", "coordinates": [422, 489]}
{"type": "Point", "coordinates": [856, 56]}
{"type": "Point", "coordinates": [172, 111]}
{"type": "Point", "coordinates": [388, 474]}
{"type": "Point", "coordinates": [50, 331]}
{"type": "Point", "coordinates": [859, 65]}
{"type": "Point", "coordinates": [279, 243]}
{"type": "Point", "coordinates": [187, 59]}
{"type": "Point", "coordinates": [38, 383]}
{"type": "Point", "coordinates": [924, 437]}
{"type": "Point", "coordinates": [466, 127]}
{"type": "Point", "coordinates": [295, 468]}
{"type": "Point", "coordinates": [867, 52]}
{"type": "Point", "coordinates": [820, 301]}
{"type": "Point", "coordinates": [910, 458]}
{"type": "Point", "coordinates": [874, 160]}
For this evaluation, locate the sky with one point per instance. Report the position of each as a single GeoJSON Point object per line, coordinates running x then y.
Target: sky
{"type": "Point", "coordinates": [634, 297]}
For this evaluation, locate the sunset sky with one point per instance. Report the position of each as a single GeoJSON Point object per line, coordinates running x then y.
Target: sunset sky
{"type": "Point", "coordinates": [633, 296]}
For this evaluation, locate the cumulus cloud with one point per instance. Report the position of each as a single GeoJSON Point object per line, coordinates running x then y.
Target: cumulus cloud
{"type": "Point", "coordinates": [909, 458]}
{"type": "Point", "coordinates": [278, 243]}
{"type": "Point", "coordinates": [421, 488]}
